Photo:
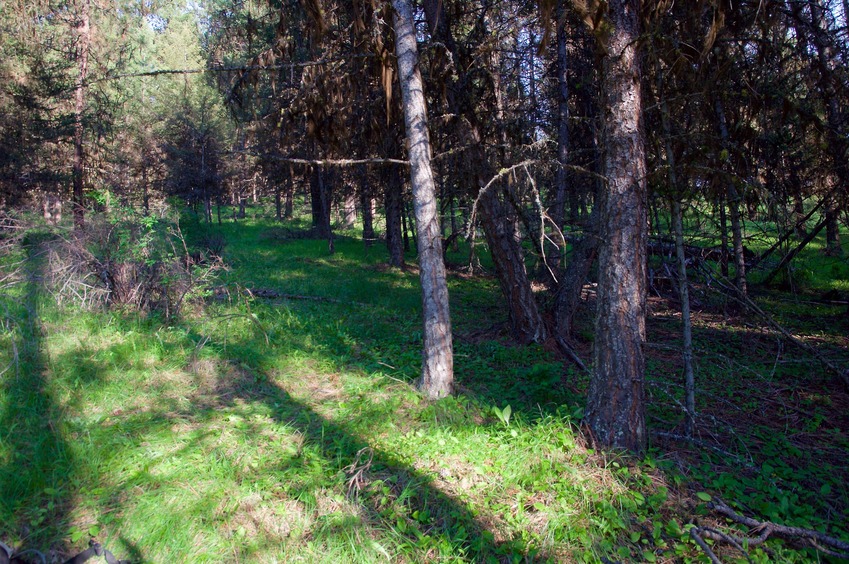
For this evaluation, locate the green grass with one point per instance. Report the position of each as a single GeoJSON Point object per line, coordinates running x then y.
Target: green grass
{"type": "Point", "coordinates": [278, 430]}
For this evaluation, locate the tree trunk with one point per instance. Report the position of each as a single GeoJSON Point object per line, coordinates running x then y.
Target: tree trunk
{"type": "Point", "coordinates": [289, 205]}
{"type": "Point", "coordinates": [278, 203]}
{"type": "Point", "coordinates": [568, 296]}
{"type": "Point", "coordinates": [320, 202]}
{"type": "Point", "coordinates": [734, 199]}
{"type": "Point", "coordinates": [405, 233]}
{"type": "Point", "coordinates": [507, 254]}
{"type": "Point", "coordinates": [681, 257]}
{"type": "Point", "coordinates": [723, 235]}
{"type": "Point", "coordinates": [686, 325]}
{"type": "Point", "coordinates": [437, 379]}
{"type": "Point", "coordinates": [562, 178]}
{"type": "Point", "coordinates": [393, 217]}
{"type": "Point", "coordinates": [799, 213]}
{"type": "Point", "coordinates": [242, 213]}
{"type": "Point", "coordinates": [349, 216]}
{"type": "Point", "coordinates": [615, 410]}
{"type": "Point", "coordinates": [367, 205]}
{"type": "Point", "coordinates": [832, 229]}
{"type": "Point", "coordinates": [83, 33]}
{"type": "Point", "coordinates": [525, 321]}
{"type": "Point", "coordinates": [409, 212]}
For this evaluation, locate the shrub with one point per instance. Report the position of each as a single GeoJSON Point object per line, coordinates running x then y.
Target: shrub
{"type": "Point", "coordinates": [124, 258]}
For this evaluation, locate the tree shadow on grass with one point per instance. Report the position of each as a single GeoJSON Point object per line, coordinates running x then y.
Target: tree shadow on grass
{"type": "Point", "coordinates": [443, 527]}
{"type": "Point", "coordinates": [37, 467]}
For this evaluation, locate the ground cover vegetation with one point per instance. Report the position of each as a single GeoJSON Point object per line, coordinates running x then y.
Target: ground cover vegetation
{"type": "Point", "coordinates": [457, 281]}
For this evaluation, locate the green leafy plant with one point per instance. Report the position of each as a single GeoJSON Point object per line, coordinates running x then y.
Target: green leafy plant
{"type": "Point", "coordinates": [503, 414]}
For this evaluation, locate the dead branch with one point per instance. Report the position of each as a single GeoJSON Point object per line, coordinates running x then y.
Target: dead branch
{"type": "Point", "coordinates": [357, 469]}
{"type": "Point", "coordinates": [275, 295]}
{"type": "Point", "coordinates": [499, 175]}
{"type": "Point", "coordinates": [239, 68]}
{"type": "Point", "coordinates": [695, 533]}
{"type": "Point", "coordinates": [321, 162]}
{"type": "Point", "coordinates": [705, 444]}
{"type": "Point", "coordinates": [815, 539]}
{"type": "Point", "coordinates": [570, 352]}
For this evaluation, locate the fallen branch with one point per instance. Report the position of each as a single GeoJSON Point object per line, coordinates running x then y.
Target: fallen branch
{"type": "Point", "coordinates": [321, 162]}
{"type": "Point", "coordinates": [570, 352]}
{"type": "Point", "coordinates": [357, 469]}
{"type": "Point", "coordinates": [696, 533]}
{"type": "Point", "coordinates": [815, 539]}
{"type": "Point", "coordinates": [275, 295]}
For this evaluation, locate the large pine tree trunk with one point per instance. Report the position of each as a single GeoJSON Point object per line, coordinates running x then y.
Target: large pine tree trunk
{"type": "Point", "coordinates": [437, 379]}
{"type": "Point", "coordinates": [615, 410]}
{"type": "Point", "coordinates": [83, 41]}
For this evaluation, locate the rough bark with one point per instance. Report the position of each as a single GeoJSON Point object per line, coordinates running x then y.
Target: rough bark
{"type": "Point", "coordinates": [437, 379]}
{"type": "Point", "coordinates": [84, 41]}
{"type": "Point", "coordinates": [615, 410]}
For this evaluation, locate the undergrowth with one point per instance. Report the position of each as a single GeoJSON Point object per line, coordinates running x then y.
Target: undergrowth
{"type": "Point", "coordinates": [286, 428]}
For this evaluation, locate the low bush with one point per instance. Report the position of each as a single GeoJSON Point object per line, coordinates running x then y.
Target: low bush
{"type": "Point", "coordinates": [128, 259]}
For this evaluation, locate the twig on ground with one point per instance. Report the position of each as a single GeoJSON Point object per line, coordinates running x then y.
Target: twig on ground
{"type": "Point", "coordinates": [704, 444]}
{"type": "Point", "coordinates": [570, 352]}
{"type": "Point", "coordinates": [694, 533]}
{"type": "Point", "coordinates": [357, 469]}
{"type": "Point", "coordinates": [815, 539]}
{"type": "Point", "coordinates": [273, 294]}
{"type": "Point", "coordinates": [735, 294]}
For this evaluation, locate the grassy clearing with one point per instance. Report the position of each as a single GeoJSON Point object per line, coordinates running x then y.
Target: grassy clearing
{"type": "Point", "coordinates": [272, 430]}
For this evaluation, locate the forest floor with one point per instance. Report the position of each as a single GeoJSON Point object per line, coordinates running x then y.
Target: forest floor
{"type": "Point", "coordinates": [276, 422]}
